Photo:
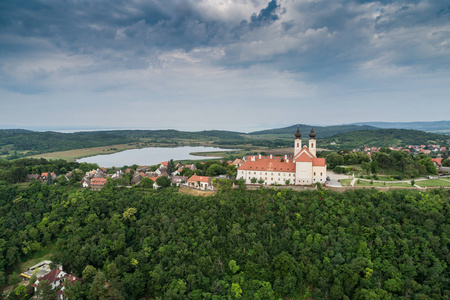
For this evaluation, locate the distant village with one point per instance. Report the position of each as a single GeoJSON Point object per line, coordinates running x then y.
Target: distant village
{"type": "Point", "coordinates": [158, 176]}
{"type": "Point", "coordinates": [413, 149]}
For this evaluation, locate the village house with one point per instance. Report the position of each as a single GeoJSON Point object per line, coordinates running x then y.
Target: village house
{"type": "Point", "coordinates": [97, 183]}
{"type": "Point", "coordinates": [437, 162]}
{"type": "Point", "coordinates": [56, 278]}
{"type": "Point", "coordinates": [137, 178]}
{"type": "Point", "coordinates": [238, 162]}
{"type": "Point", "coordinates": [85, 182]}
{"type": "Point", "coordinates": [177, 172]}
{"type": "Point", "coordinates": [191, 167]}
{"type": "Point", "coordinates": [200, 182]}
{"type": "Point", "coordinates": [178, 180]}
{"type": "Point", "coordinates": [151, 174]}
{"type": "Point", "coordinates": [305, 168]}
{"type": "Point", "coordinates": [31, 177]}
{"type": "Point", "coordinates": [143, 169]}
{"type": "Point", "coordinates": [118, 174]}
{"type": "Point", "coordinates": [39, 270]}
{"type": "Point", "coordinates": [44, 176]}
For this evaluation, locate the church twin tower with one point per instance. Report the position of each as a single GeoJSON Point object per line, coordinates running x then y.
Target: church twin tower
{"type": "Point", "coordinates": [298, 142]}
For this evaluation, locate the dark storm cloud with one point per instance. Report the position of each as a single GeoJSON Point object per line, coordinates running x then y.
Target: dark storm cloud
{"type": "Point", "coordinates": [317, 38]}
{"type": "Point", "coordinates": [266, 16]}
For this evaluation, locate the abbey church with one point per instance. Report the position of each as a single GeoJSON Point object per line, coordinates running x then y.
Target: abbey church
{"type": "Point", "coordinates": [303, 168]}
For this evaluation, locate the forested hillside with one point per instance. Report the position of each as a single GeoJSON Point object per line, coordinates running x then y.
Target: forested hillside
{"type": "Point", "coordinates": [437, 126]}
{"type": "Point", "coordinates": [264, 244]}
{"type": "Point", "coordinates": [383, 138]}
{"type": "Point", "coordinates": [19, 143]}
{"type": "Point", "coordinates": [41, 142]}
{"type": "Point", "coordinates": [322, 131]}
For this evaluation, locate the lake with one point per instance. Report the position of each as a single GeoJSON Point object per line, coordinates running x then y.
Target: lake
{"type": "Point", "coordinates": [149, 156]}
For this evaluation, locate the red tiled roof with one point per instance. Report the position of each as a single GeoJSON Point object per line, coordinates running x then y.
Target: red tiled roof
{"type": "Point", "coordinates": [46, 174]}
{"type": "Point", "coordinates": [237, 161]}
{"type": "Point", "coordinates": [72, 278]}
{"type": "Point", "coordinates": [165, 163]}
{"type": "Point", "coordinates": [437, 160]}
{"type": "Point", "coordinates": [321, 162]}
{"type": "Point", "coordinates": [51, 277]}
{"type": "Point", "coordinates": [304, 150]}
{"type": "Point", "coordinates": [103, 169]}
{"type": "Point", "coordinates": [195, 178]}
{"type": "Point", "coordinates": [98, 181]}
{"type": "Point", "coordinates": [303, 157]}
{"type": "Point", "coordinates": [267, 164]}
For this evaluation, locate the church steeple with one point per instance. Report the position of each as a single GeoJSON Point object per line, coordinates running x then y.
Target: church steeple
{"type": "Point", "coordinates": [312, 134]}
{"type": "Point", "coordinates": [298, 135]}
{"type": "Point", "coordinates": [298, 141]}
{"type": "Point", "coordinates": [312, 142]}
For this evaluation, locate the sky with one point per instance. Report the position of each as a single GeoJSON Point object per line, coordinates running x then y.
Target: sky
{"type": "Point", "coordinates": [237, 65]}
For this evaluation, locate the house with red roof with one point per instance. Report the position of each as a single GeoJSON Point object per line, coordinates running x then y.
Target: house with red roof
{"type": "Point", "coordinates": [56, 279]}
{"type": "Point", "coordinates": [97, 184]}
{"type": "Point", "coordinates": [238, 162]}
{"type": "Point", "coordinates": [44, 176]}
{"type": "Point", "coordinates": [200, 182]}
{"type": "Point", "coordinates": [437, 162]}
{"type": "Point", "coordinates": [304, 168]}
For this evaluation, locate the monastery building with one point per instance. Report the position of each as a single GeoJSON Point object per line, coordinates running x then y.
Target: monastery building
{"type": "Point", "coordinates": [304, 168]}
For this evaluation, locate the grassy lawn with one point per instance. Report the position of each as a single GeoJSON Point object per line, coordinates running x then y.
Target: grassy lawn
{"type": "Point", "coordinates": [38, 256]}
{"type": "Point", "coordinates": [381, 184]}
{"type": "Point", "coordinates": [433, 182]}
{"type": "Point", "coordinates": [345, 182]}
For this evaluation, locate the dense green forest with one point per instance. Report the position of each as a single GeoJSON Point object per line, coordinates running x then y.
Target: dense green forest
{"type": "Point", "coordinates": [41, 142]}
{"type": "Point", "coordinates": [436, 127]}
{"type": "Point", "coordinates": [263, 244]}
{"type": "Point", "coordinates": [383, 138]}
{"type": "Point", "coordinates": [386, 161]}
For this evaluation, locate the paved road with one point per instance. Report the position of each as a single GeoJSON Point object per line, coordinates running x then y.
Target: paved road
{"type": "Point", "coordinates": [334, 178]}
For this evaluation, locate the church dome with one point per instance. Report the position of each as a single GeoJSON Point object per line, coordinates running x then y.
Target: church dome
{"type": "Point", "coordinates": [312, 134]}
{"type": "Point", "coordinates": [298, 135]}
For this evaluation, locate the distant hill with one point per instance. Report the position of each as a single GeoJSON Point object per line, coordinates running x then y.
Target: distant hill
{"type": "Point", "coordinates": [18, 142]}
{"type": "Point", "coordinates": [436, 127]}
{"type": "Point", "coordinates": [321, 131]}
{"type": "Point", "coordinates": [383, 138]}
{"type": "Point", "coordinates": [32, 142]}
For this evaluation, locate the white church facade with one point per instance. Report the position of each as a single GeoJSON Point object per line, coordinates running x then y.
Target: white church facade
{"type": "Point", "coordinates": [304, 168]}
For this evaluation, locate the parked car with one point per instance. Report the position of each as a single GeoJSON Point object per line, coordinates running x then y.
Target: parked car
{"type": "Point", "coordinates": [328, 178]}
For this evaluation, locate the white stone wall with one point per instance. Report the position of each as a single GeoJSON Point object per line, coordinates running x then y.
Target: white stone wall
{"type": "Point", "coordinates": [297, 146]}
{"type": "Point", "coordinates": [269, 177]}
{"type": "Point", "coordinates": [303, 173]}
{"type": "Point", "coordinates": [312, 146]}
{"type": "Point", "coordinates": [319, 174]}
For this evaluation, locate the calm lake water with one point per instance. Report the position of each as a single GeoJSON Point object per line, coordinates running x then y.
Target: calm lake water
{"type": "Point", "coordinates": [148, 156]}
